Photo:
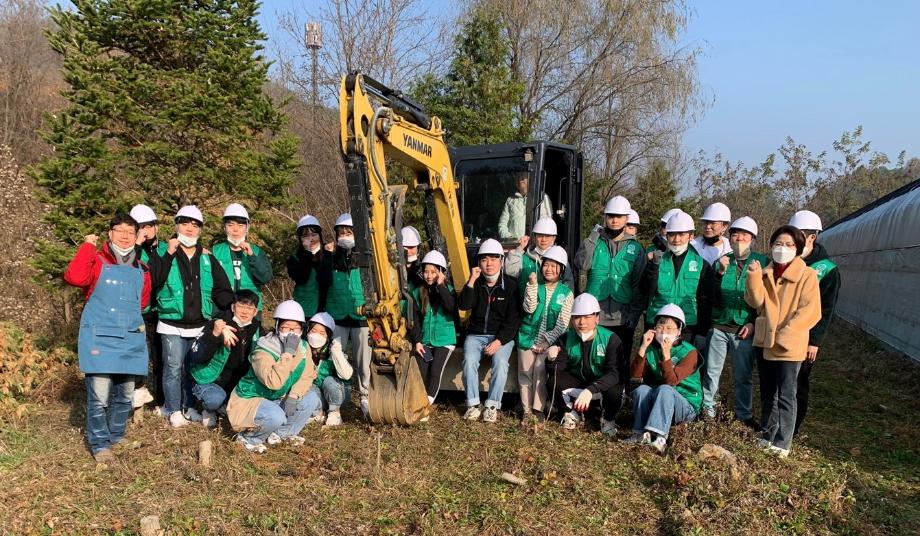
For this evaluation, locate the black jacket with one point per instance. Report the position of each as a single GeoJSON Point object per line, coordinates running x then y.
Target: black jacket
{"type": "Point", "coordinates": [237, 365]}
{"type": "Point", "coordinates": [302, 263]}
{"type": "Point", "coordinates": [494, 310]}
{"type": "Point", "coordinates": [705, 292]}
{"type": "Point", "coordinates": [615, 369]}
{"type": "Point", "coordinates": [829, 286]}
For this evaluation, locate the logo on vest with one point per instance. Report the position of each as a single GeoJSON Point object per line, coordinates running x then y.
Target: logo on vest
{"type": "Point", "coordinates": [693, 266]}
{"type": "Point", "coordinates": [600, 351]}
{"type": "Point", "coordinates": [631, 249]}
{"type": "Point", "coordinates": [820, 270]}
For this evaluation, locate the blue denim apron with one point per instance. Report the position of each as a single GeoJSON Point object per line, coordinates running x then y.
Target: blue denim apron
{"type": "Point", "coordinates": [112, 339]}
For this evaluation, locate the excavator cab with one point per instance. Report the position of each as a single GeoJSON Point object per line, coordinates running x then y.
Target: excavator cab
{"type": "Point", "coordinates": [505, 188]}
{"type": "Point", "coordinates": [490, 179]}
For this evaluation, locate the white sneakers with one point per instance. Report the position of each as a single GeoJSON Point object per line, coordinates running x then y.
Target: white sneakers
{"type": "Point", "coordinates": [178, 420]}
{"type": "Point", "coordinates": [259, 448]}
{"type": "Point", "coordinates": [142, 397]}
{"type": "Point", "coordinates": [660, 443]}
{"type": "Point", "coordinates": [570, 420]}
{"type": "Point", "coordinates": [209, 418]}
{"type": "Point", "coordinates": [275, 439]}
{"type": "Point", "coordinates": [490, 414]}
{"type": "Point", "coordinates": [472, 413]}
{"type": "Point", "coordinates": [334, 418]}
{"type": "Point", "coordinates": [609, 428]}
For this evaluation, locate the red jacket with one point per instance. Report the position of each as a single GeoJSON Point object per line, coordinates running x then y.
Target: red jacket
{"type": "Point", "coordinates": [83, 271]}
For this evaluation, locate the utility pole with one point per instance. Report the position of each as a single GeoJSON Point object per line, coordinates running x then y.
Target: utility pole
{"type": "Point", "coordinates": [313, 38]}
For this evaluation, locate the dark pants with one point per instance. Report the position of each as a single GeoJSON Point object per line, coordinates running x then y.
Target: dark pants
{"type": "Point", "coordinates": [778, 400]}
{"type": "Point", "coordinates": [626, 336]}
{"type": "Point", "coordinates": [154, 350]}
{"type": "Point", "coordinates": [559, 379]}
{"type": "Point", "coordinates": [801, 393]}
{"type": "Point", "coordinates": [431, 367]}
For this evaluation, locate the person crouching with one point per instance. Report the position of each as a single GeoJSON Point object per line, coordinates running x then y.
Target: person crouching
{"type": "Point", "coordinates": [333, 371]}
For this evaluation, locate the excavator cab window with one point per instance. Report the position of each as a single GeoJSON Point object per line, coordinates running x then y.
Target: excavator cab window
{"type": "Point", "coordinates": [493, 206]}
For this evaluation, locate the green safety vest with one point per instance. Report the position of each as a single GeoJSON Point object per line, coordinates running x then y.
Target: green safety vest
{"type": "Point", "coordinates": [345, 295]}
{"type": "Point", "coordinates": [170, 302]}
{"type": "Point", "coordinates": [438, 328]}
{"type": "Point", "coordinates": [823, 267]}
{"type": "Point", "coordinates": [609, 276]}
{"type": "Point", "coordinates": [528, 266]}
{"type": "Point", "coordinates": [307, 295]}
{"type": "Point", "coordinates": [598, 352]}
{"type": "Point", "coordinates": [251, 387]}
{"type": "Point", "coordinates": [204, 373]}
{"type": "Point", "coordinates": [530, 325]}
{"type": "Point", "coordinates": [681, 289]}
{"type": "Point", "coordinates": [690, 387]}
{"type": "Point", "coordinates": [162, 248]}
{"type": "Point", "coordinates": [731, 309]}
{"type": "Point", "coordinates": [224, 256]}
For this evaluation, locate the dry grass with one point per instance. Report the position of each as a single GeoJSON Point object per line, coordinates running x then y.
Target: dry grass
{"type": "Point", "coordinates": [855, 472]}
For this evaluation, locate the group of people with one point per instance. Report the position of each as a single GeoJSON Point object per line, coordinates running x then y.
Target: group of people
{"type": "Point", "coordinates": [197, 313]}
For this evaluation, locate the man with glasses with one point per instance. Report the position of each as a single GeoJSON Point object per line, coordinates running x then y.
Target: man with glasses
{"type": "Point", "coordinates": [220, 355]}
{"type": "Point", "coordinates": [712, 244]}
{"type": "Point", "coordinates": [191, 289]}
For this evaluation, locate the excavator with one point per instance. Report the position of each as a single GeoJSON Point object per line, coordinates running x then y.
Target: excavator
{"type": "Point", "coordinates": [464, 192]}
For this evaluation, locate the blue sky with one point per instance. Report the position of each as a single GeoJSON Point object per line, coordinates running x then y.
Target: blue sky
{"type": "Point", "coordinates": [804, 69]}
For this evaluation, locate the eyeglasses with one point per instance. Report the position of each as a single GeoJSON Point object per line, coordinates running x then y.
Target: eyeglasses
{"type": "Point", "coordinates": [285, 331]}
{"type": "Point", "coordinates": [126, 232]}
{"type": "Point", "coordinates": [245, 307]}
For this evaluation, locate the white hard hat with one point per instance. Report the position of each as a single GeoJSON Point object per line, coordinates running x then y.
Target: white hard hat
{"type": "Point", "coordinates": [344, 219]}
{"type": "Point", "coordinates": [585, 304]}
{"type": "Point", "coordinates": [618, 205]}
{"type": "Point", "coordinates": [680, 222]}
{"type": "Point", "coordinates": [717, 212]}
{"type": "Point", "coordinates": [322, 318]}
{"type": "Point", "coordinates": [434, 257]}
{"type": "Point", "coordinates": [410, 237]}
{"type": "Point", "coordinates": [745, 223]}
{"type": "Point", "coordinates": [806, 220]}
{"type": "Point", "coordinates": [308, 220]}
{"type": "Point", "coordinates": [289, 310]}
{"type": "Point", "coordinates": [236, 210]}
{"type": "Point", "coordinates": [545, 226]}
{"type": "Point", "coordinates": [633, 218]}
{"type": "Point", "coordinates": [190, 211]}
{"type": "Point", "coordinates": [668, 214]}
{"type": "Point", "coordinates": [674, 312]}
{"type": "Point", "coordinates": [558, 254]}
{"type": "Point", "coordinates": [491, 247]}
{"type": "Point", "coordinates": [142, 214]}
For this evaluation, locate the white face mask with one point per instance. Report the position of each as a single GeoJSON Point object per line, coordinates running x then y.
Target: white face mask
{"type": "Point", "coordinates": [412, 258]}
{"type": "Point", "coordinates": [316, 340]}
{"type": "Point", "coordinates": [120, 251]}
{"type": "Point", "coordinates": [240, 323]}
{"type": "Point", "coordinates": [586, 336]}
{"type": "Point", "coordinates": [187, 241]}
{"type": "Point", "coordinates": [783, 255]}
{"type": "Point", "coordinates": [347, 243]}
{"type": "Point", "coordinates": [741, 249]}
{"type": "Point", "coordinates": [539, 251]}
{"type": "Point", "coordinates": [490, 278]}
{"type": "Point", "coordinates": [235, 242]}
{"type": "Point", "coordinates": [678, 250]}
{"type": "Point", "coordinates": [665, 338]}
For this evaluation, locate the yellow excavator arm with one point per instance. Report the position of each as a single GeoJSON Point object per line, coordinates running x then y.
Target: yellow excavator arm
{"type": "Point", "coordinates": [379, 125]}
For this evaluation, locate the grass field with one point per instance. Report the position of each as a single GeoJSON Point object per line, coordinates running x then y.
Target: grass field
{"type": "Point", "coordinates": [855, 471]}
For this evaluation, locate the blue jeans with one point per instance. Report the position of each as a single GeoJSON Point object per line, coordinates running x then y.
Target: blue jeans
{"type": "Point", "coordinates": [334, 392]}
{"type": "Point", "coordinates": [177, 387]}
{"type": "Point", "coordinates": [720, 344]}
{"type": "Point", "coordinates": [108, 405]}
{"type": "Point", "coordinates": [270, 417]}
{"type": "Point", "coordinates": [211, 395]}
{"type": "Point", "coordinates": [472, 354]}
{"type": "Point", "coordinates": [656, 408]}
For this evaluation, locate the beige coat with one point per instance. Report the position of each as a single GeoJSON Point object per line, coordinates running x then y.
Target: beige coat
{"type": "Point", "coordinates": [786, 309]}
{"type": "Point", "coordinates": [273, 374]}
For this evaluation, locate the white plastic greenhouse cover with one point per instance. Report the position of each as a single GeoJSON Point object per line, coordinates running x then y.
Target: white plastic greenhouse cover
{"type": "Point", "coordinates": [877, 250]}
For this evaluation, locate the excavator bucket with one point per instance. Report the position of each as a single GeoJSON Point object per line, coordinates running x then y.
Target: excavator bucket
{"type": "Point", "coordinates": [397, 393]}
